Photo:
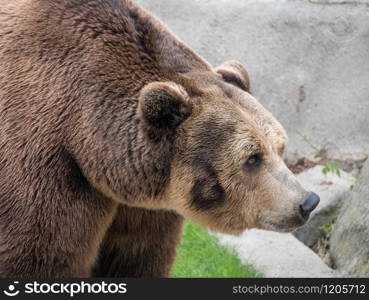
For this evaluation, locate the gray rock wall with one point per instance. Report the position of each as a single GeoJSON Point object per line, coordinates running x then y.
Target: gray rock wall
{"type": "Point", "coordinates": [309, 62]}
{"type": "Point", "coordinates": [349, 243]}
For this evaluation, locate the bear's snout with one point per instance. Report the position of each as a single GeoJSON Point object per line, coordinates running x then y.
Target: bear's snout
{"type": "Point", "coordinates": [311, 202]}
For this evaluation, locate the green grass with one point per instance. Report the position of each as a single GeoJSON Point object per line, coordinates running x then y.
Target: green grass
{"type": "Point", "coordinates": [200, 255]}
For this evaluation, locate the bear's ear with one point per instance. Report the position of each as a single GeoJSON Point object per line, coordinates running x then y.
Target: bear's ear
{"type": "Point", "coordinates": [164, 105]}
{"type": "Point", "coordinates": [235, 73]}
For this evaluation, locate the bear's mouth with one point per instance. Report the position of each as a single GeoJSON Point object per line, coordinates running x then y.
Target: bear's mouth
{"type": "Point", "coordinates": [280, 227]}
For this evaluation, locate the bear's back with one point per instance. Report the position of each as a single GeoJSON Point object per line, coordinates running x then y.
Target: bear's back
{"type": "Point", "coordinates": [91, 40]}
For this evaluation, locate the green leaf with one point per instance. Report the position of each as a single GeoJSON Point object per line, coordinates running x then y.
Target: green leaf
{"type": "Point", "coordinates": [335, 169]}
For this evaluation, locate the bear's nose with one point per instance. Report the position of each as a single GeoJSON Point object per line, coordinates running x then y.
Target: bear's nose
{"type": "Point", "coordinates": [309, 205]}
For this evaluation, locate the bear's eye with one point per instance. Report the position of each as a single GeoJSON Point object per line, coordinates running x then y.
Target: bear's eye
{"type": "Point", "coordinates": [254, 162]}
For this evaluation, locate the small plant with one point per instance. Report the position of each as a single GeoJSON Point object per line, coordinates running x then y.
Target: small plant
{"type": "Point", "coordinates": [351, 188]}
{"type": "Point", "coordinates": [332, 168]}
{"type": "Point", "coordinates": [326, 230]}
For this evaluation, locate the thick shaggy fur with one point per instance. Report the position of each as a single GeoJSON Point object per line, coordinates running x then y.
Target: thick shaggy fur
{"type": "Point", "coordinates": [112, 130]}
{"type": "Point", "coordinates": [70, 72]}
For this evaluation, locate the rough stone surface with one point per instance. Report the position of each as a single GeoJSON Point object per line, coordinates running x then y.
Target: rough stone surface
{"type": "Point", "coordinates": [276, 254]}
{"type": "Point", "coordinates": [349, 244]}
{"type": "Point", "coordinates": [333, 191]}
{"type": "Point", "coordinates": [308, 59]}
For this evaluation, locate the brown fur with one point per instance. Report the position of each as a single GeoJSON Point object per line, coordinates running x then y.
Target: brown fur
{"type": "Point", "coordinates": [133, 249]}
{"type": "Point", "coordinates": [111, 131]}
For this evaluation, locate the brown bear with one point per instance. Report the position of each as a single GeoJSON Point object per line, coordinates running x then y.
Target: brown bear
{"type": "Point", "coordinates": [112, 131]}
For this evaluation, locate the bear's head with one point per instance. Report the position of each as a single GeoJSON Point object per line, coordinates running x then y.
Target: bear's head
{"type": "Point", "coordinates": [226, 172]}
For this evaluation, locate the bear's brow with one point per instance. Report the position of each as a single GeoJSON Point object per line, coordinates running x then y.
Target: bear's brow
{"type": "Point", "coordinates": [253, 147]}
